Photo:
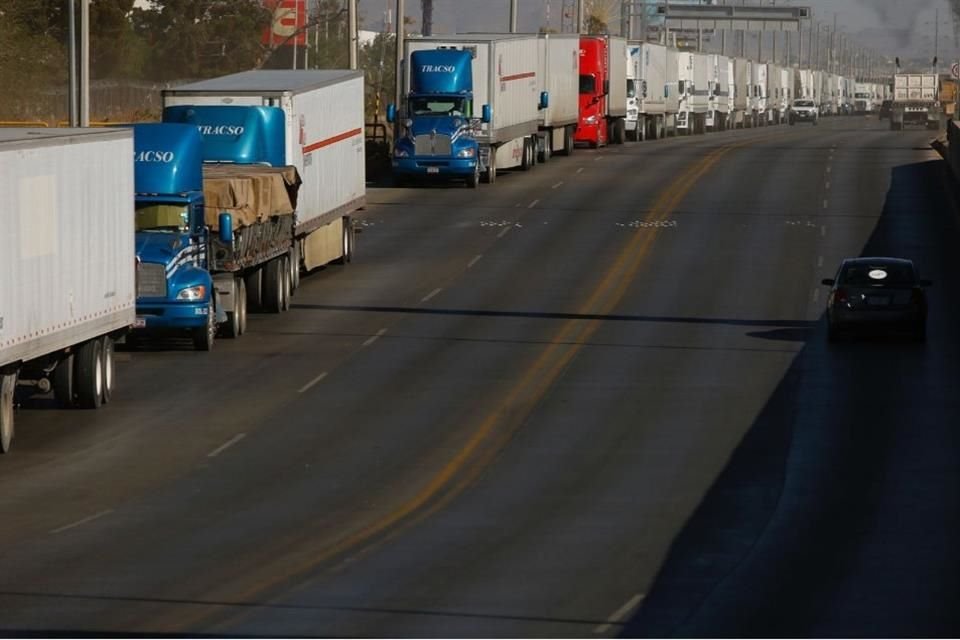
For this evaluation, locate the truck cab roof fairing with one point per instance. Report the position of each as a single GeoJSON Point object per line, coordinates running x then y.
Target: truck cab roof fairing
{"type": "Point", "coordinates": [441, 72]}
{"type": "Point", "coordinates": [236, 134]}
{"type": "Point", "coordinates": [167, 158]}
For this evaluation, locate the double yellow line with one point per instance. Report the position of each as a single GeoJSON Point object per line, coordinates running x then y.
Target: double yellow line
{"type": "Point", "coordinates": [501, 424]}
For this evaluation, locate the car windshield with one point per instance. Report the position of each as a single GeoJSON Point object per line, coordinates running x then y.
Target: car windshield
{"type": "Point", "coordinates": [878, 275]}
{"type": "Point", "coordinates": [172, 218]}
{"type": "Point", "coordinates": [440, 107]}
{"type": "Point", "coordinates": [803, 103]}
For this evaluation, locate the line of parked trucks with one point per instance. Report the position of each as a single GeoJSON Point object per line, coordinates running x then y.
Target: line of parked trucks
{"type": "Point", "coordinates": [475, 104]}
{"type": "Point", "coordinates": [180, 227]}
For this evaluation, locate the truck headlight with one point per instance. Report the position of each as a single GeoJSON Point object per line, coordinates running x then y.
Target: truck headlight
{"type": "Point", "coordinates": [591, 120]}
{"type": "Point", "coordinates": [400, 153]}
{"type": "Point", "coordinates": [469, 152]}
{"type": "Point", "coordinates": [193, 294]}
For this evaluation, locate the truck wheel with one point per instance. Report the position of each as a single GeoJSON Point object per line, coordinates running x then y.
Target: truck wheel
{"type": "Point", "coordinates": [490, 175]}
{"type": "Point", "coordinates": [273, 286]}
{"type": "Point", "coordinates": [109, 369]}
{"type": "Point", "coordinates": [295, 266]}
{"type": "Point", "coordinates": [568, 141]}
{"type": "Point", "coordinates": [231, 329]}
{"type": "Point", "coordinates": [89, 374]}
{"type": "Point", "coordinates": [473, 180]}
{"type": "Point", "coordinates": [254, 287]}
{"type": "Point", "coordinates": [286, 290]}
{"type": "Point", "coordinates": [346, 244]}
{"type": "Point", "coordinates": [242, 297]}
{"type": "Point", "coordinates": [204, 336]}
{"type": "Point", "coordinates": [525, 164]}
{"type": "Point", "coordinates": [63, 383]}
{"type": "Point", "coordinates": [544, 152]}
{"type": "Point", "coordinates": [8, 384]}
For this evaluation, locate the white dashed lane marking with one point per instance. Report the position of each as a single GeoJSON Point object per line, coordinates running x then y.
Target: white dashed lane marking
{"type": "Point", "coordinates": [78, 523]}
{"type": "Point", "coordinates": [475, 260]}
{"type": "Point", "coordinates": [313, 382]}
{"type": "Point", "coordinates": [226, 445]}
{"type": "Point", "coordinates": [369, 341]}
{"type": "Point", "coordinates": [620, 614]}
{"type": "Point", "coordinates": [430, 296]}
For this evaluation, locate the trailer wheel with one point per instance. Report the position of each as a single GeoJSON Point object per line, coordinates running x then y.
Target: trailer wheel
{"type": "Point", "coordinates": [89, 374]}
{"type": "Point", "coordinates": [295, 266]}
{"type": "Point", "coordinates": [242, 298]}
{"type": "Point", "coordinates": [273, 286]}
{"type": "Point", "coordinates": [544, 152]}
{"type": "Point", "coordinates": [63, 383]}
{"type": "Point", "coordinates": [525, 164]}
{"type": "Point", "coordinates": [254, 287]}
{"type": "Point", "coordinates": [231, 329]}
{"type": "Point", "coordinates": [568, 141]}
{"type": "Point", "coordinates": [8, 384]}
{"type": "Point", "coordinates": [203, 337]}
{"type": "Point", "coordinates": [490, 175]}
{"type": "Point", "coordinates": [346, 244]}
{"type": "Point", "coordinates": [286, 290]}
{"type": "Point", "coordinates": [109, 369]}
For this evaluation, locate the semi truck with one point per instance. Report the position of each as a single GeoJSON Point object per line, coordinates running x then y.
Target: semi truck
{"type": "Point", "coordinates": [743, 115]}
{"type": "Point", "coordinates": [603, 91]}
{"type": "Point", "coordinates": [311, 120]}
{"type": "Point", "coordinates": [67, 264]}
{"type": "Point", "coordinates": [694, 89]}
{"type": "Point", "coordinates": [473, 106]}
{"type": "Point", "coordinates": [865, 98]}
{"type": "Point", "coordinates": [760, 72]}
{"type": "Point", "coordinates": [916, 100]}
{"type": "Point", "coordinates": [720, 70]}
{"type": "Point", "coordinates": [207, 231]}
{"type": "Point", "coordinates": [558, 75]}
{"type": "Point", "coordinates": [652, 99]}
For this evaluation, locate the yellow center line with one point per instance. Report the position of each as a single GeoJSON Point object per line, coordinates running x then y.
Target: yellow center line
{"type": "Point", "coordinates": [501, 424]}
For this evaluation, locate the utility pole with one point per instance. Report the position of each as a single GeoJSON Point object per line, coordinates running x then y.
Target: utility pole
{"type": "Point", "coordinates": [936, 43]}
{"type": "Point", "coordinates": [74, 93]}
{"type": "Point", "coordinates": [578, 28]}
{"type": "Point", "coordinates": [426, 8]}
{"type": "Point", "coordinates": [84, 63]}
{"type": "Point", "coordinates": [513, 16]}
{"type": "Point", "coordinates": [352, 33]}
{"type": "Point", "coordinates": [398, 94]}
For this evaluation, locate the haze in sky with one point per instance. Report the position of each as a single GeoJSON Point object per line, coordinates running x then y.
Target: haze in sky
{"type": "Point", "coordinates": [893, 27]}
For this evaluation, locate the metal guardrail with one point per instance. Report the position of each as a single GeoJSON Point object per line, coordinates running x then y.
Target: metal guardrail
{"type": "Point", "coordinates": [24, 124]}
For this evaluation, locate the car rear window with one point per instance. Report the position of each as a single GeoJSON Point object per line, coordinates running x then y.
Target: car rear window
{"type": "Point", "coordinates": [880, 275]}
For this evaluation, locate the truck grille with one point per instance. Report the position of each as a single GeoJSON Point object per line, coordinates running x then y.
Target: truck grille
{"type": "Point", "coordinates": [151, 281]}
{"type": "Point", "coordinates": [432, 144]}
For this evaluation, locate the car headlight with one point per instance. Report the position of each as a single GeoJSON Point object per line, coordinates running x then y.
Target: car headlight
{"type": "Point", "coordinates": [469, 152]}
{"type": "Point", "coordinates": [400, 153]}
{"type": "Point", "coordinates": [591, 120]}
{"type": "Point", "coordinates": [193, 294]}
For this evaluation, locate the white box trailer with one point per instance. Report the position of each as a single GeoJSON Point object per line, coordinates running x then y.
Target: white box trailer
{"type": "Point", "coordinates": [761, 97]}
{"type": "Point", "coordinates": [720, 78]}
{"type": "Point", "coordinates": [694, 87]}
{"type": "Point", "coordinates": [67, 263]}
{"type": "Point", "coordinates": [505, 68]}
{"type": "Point", "coordinates": [655, 105]}
{"type": "Point", "coordinates": [559, 75]}
{"type": "Point", "coordinates": [672, 103]}
{"type": "Point", "coordinates": [779, 90]}
{"type": "Point", "coordinates": [743, 93]}
{"type": "Point", "coordinates": [324, 140]}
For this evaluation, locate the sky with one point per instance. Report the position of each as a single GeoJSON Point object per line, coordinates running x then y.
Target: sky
{"type": "Point", "coordinates": [903, 28]}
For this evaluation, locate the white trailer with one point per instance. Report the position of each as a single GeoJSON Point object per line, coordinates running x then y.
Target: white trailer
{"type": "Point", "coordinates": [743, 93]}
{"type": "Point", "coordinates": [694, 89]}
{"type": "Point", "coordinates": [719, 80]}
{"type": "Point", "coordinates": [780, 92]}
{"type": "Point", "coordinates": [324, 140]}
{"type": "Point", "coordinates": [653, 106]}
{"type": "Point", "coordinates": [761, 97]}
{"type": "Point", "coordinates": [67, 263]}
{"type": "Point", "coordinates": [559, 76]}
{"type": "Point", "coordinates": [672, 103]}
{"type": "Point", "coordinates": [505, 68]}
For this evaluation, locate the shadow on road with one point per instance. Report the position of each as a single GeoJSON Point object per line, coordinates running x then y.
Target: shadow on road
{"type": "Point", "coordinates": [838, 513]}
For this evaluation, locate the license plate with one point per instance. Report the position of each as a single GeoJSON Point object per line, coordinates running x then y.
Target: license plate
{"type": "Point", "coordinates": [139, 323]}
{"type": "Point", "coordinates": [433, 169]}
{"type": "Point", "coordinates": [875, 301]}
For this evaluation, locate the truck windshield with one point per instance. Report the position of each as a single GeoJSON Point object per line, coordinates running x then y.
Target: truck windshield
{"type": "Point", "coordinates": [440, 107]}
{"type": "Point", "coordinates": [171, 218]}
{"type": "Point", "coordinates": [631, 89]}
{"type": "Point", "coordinates": [588, 84]}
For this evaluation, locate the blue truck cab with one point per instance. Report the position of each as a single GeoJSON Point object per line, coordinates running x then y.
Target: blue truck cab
{"type": "Point", "coordinates": [437, 136]}
{"type": "Point", "coordinates": [175, 290]}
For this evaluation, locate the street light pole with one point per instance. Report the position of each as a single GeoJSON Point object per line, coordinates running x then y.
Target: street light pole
{"type": "Point", "coordinates": [74, 93]}
{"type": "Point", "coordinates": [352, 33]}
{"type": "Point", "coordinates": [513, 16]}
{"type": "Point", "coordinates": [84, 63]}
{"type": "Point", "coordinates": [398, 97]}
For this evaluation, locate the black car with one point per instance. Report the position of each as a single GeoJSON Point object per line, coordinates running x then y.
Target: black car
{"type": "Point", "coordinates": [883, 293]}
{"type": "Point", "coordinates": [886, 108]}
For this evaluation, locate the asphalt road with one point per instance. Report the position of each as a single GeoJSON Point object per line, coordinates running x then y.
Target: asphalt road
{"type": "Point", "coordinates": [595, 399]}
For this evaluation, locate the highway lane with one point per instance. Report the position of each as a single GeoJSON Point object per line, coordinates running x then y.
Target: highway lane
{"type": "Point", "coordinates": [350, 508]}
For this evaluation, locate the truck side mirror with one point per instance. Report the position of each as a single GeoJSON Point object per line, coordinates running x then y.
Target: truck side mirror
{"type": "Point", "coordinates": [544, 99]}
{"type": "Point", "coordinates": [226, 228]}
{"type": "Point", "coordinates": [391, 113]}
{"type": "Point", "coordinates": [486, 113]}
{"type": "Point", "coordinates": [606, 87]}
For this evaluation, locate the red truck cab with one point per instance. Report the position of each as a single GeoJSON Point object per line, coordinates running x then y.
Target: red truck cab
{"type": "Point", "coordinates": [601, 115]}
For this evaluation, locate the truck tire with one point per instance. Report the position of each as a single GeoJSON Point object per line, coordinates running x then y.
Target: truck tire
{"type": "Point", "coordinates": [544, 151]}
{"type": "Point", "coordinates": [89, 374]}
{"type": "Point", "coordinates": [8, 385]}
{"type": "Point", "coordinates": [490, 175]}
{"type": "Point", "coordinates": [231, 329]}
{"type": "Point", "coordinates": [254, 287]}
{"type": "Point", "coordinates": [242, 297]}
{"type": "Point", "coordinates": [618, 131]}
{"type": "Point", "coordinates": [203, 337]}
{"type": "Point", "coordinates": [109, 369]}
{"type": "Point", "coordinates": [568, 141]}
{"type": "Point", "coordinates": [346, 244]}
{"type": "Point", "coordinates": [273, 286]}
{"type": "Point", "coordinates": [295, 266]}
{"type": "Point", "coordinates": [287, 289]}
{"type": "Point", "coordinates": [525, 164]}
{"type": "Point", "coordinates": [64, 391]}
{"type": "Point", "coordinates": [473, 180]}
